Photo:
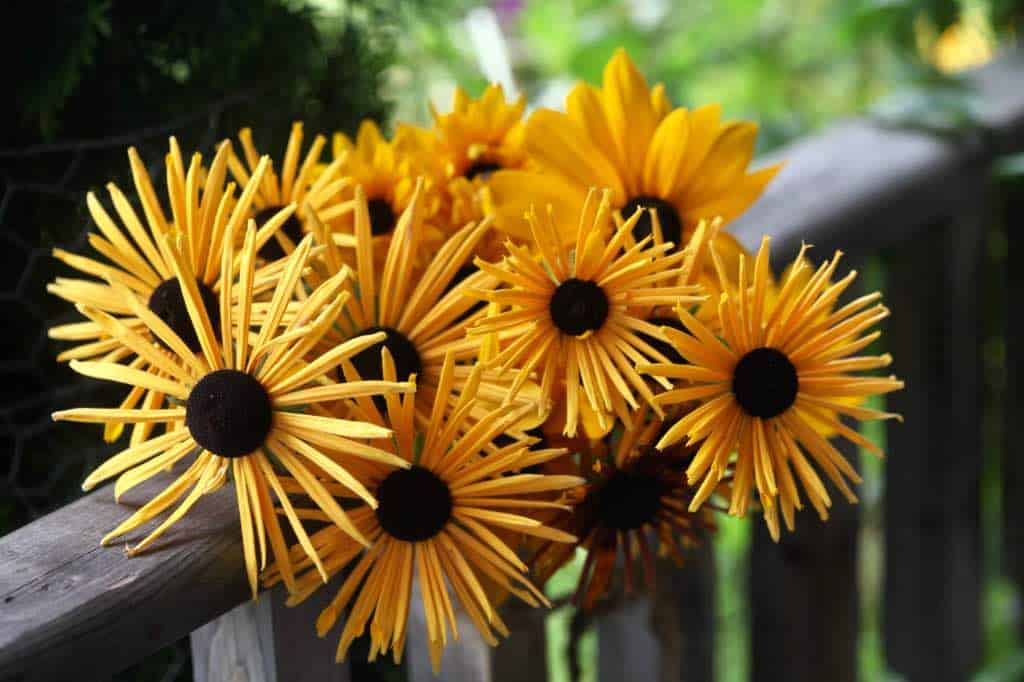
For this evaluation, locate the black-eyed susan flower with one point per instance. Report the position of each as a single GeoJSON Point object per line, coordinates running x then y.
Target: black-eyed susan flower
{"type": "Point", "coordinates": [438, 522]}
{"type": "Point", "coordinates": [303, 182]}
{"type": "Point", "coordinates": [234, 407]}
{"type": "Point", "coordinates": [387, 171]}
{"type": "Point", "coordinates": [424, 313]}
{"type": "Point", "coordinates": [780, 367]}
{"type": "Point", "coordinates": [203, 209]}
{"type": "Point", "coordinates": [570, 316]}
{"type": "Point", "coordinates": [685, 165]}
{"type": "Point", "coordinates": [481, 136]}
{"type": "Point", "coordinates": [634, 507]}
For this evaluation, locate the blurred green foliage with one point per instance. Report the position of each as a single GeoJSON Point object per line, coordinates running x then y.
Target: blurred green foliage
{"type": "Point", "coordinates": [792, 65]}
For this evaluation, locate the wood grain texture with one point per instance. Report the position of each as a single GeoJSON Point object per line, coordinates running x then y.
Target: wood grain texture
{"type": "Point", "coordinates": [68, 603]}
{"type": "Point", "coordinates": [265, 641]}
{"type": "Point", "coordinates": [932, 592]}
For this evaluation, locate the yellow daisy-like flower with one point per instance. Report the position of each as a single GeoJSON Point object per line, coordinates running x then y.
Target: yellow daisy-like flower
{"type": "Point", "coordinates": [387, 171]}
{"type": "Point", "coordinates": [481, 136]}
{"type": "Point", "coordinates": [308, 186]}
{"type": "Point", "coordinates": [686, 165]}
{"type": "Point", "coordinates": [203, 210]}
{"type": "Point", "coordinates": [424, 314]}
{"type": "Point", "coordinates": [571, 315]}
{"type": "Point", "coordinates": [780, 367]}
{"type": "Point", "coordinates": [235, 406]}
{"type": "Point", "coordinates": [438, 521]}
{"type": "Point", "coordinates": [635, 496]}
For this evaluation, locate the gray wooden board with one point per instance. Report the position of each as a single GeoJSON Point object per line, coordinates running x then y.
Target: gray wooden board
{"type": "Point", "coordinates": [69, 606]}
{"type": "Point", "coordinates": [932, 592]}
{"type": "Point", "coordinates": [266, 641]}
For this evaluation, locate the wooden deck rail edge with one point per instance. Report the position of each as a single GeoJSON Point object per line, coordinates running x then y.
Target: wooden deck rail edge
{"type": "Point", "coordinates": [68, 606]}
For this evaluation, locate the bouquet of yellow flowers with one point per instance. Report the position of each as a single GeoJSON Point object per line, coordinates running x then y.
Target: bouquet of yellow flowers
{"type": "Point", "coordinates": [466, 353]}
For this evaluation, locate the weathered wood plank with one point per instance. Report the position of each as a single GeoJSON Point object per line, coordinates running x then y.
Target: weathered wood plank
{"type": "Point", "coordinates": [803, 598]}
{"type": "Point", "coordinates": [683, 617]}
{"type": "Point", "coordinates": [627, 648]}
{"type": "Point", "coordinates": [932, 588]}
{"type": "Point", "coordinates": [265, 641]}
{"type": "Point", "coordinates": [1013, 398]}
{"type": "Point", "coordinates": [522, 657]}
{"type": "Point", "coordinates": [68, 603]}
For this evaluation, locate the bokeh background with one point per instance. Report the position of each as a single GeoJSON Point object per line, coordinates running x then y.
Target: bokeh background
{"type": "Point", "coordinates": [87, 81]}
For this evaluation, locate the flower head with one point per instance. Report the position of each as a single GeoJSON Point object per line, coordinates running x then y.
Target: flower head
{"type": "Point", "coordinates": [138, 256]}
{"type": "Point", "coordinates": [685, 165]}
{"type": "Point", "coordinates": [780, 368]}
{"type": "Point", "coordinates": [439, 520]}
{"type": "Point", "coordinates": [571, 315]}
{"type": "Point", "coordinates": [301, 183]}
{"type": "Point", "coordinates": [235, 406]}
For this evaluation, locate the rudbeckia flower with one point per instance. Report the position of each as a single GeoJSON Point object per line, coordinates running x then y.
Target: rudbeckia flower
{"type": "Point", "coordinates": [234, 408]}
{"type": "Point", "coordinates": [634, 505]}
{"type": "Point", "coordinates": [481, 136]}
{"type": "Point", "coordinates": [438, 521]}
{"type": "Point", "coordinates": [685, 165]}
{"type": "Point", "coordinates": [778, 369]}
{"type": "Point", "coordinates": [570, 316]}
{"type": "Point", "coordinates": [304, 185]}
{"type": "Point", "coordinates": [203, 210]}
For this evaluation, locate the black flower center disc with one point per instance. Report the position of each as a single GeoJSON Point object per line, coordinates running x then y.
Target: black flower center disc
{"type": "Point", "coordinates": [272, 250]}
{"type": "Point", "coordinates": [406, 357]}
{"type": "Point", "coordinates": [765, 383]}
{"type": "Point", "coordinates": [413, 504]}
{"type": "Point", "coordinates": [628, 500]}
{"type": "Point", "coordinates": [229, 413]}
{"type": "Point", "coordinates": [483, 169]}
{"type": "Point", "coordinates": [578, 306]}
{"type": "Point", "coordinates": [169, 305]}
{"type": "Point", "coordinates": [664, 347]}
{"type": "Point", "coordinates": [382, 216]}
{"type": "Point", "coordinates": [668, 218]}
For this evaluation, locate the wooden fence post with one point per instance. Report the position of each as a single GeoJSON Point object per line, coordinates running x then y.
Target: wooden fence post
{"type": "Point", "coordinates": [522, 657]}
{"type": "Point", "coordinates": [683, 616]}
{"type": "Point", "coordinates": [804, 598]}
{"type": "Point", "coordinates": [1013, 399]}
{"type": "Point", "coordinates": [265, 641]}
{"type": "Point", "coordinates": [932, 627]}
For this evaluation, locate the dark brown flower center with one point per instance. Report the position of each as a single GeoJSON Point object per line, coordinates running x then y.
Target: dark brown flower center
{"type": "Point", "coordinates": [765, 383]}
{"type": "Point", "coordinates": [578, 306]}
{"type": "Point", "coordinates": [483, 169]}
{"type": "Point", "coordinates": [169, 305]}
{"type": "Point", "coordinates": [406, 357]}
{"type": "Point", "coordinates": [272, 249]}
{"type": "Point", "coordinates": [668, 218]}
{"type": "Point", "coordinates": [229, 413]}
{"type": "Point", "coordinates": [413, 504]}
{"type": "Point", "coordinates": [382, 216]}
{"type": "Point", "coordinates": [628, 500]}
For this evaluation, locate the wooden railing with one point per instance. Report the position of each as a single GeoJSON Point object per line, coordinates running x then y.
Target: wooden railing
{"type": "Point", "coordinates": [923, 202]}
